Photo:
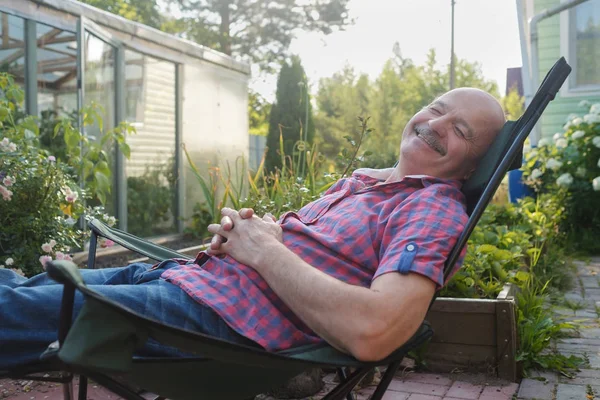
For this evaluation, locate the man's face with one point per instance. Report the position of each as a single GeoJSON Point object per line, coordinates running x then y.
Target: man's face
{"type": "Point", "coordinates": [448, 137]}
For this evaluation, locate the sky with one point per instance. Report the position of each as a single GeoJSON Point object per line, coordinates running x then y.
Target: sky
{"type": "Point", "coordinates": [485, 31]}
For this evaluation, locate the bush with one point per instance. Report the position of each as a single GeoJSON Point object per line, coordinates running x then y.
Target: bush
{"type": "Point", "coordinates": [40, 198]}
{"type": "Point", "coordinates": [568, 166]}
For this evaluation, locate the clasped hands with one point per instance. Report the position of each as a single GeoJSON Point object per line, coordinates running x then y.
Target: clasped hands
{"type": "Point", "coordinates": [244, 236]}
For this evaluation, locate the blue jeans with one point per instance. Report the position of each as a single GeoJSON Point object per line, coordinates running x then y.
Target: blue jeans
{"type": "Point", "coordinates": [29, 309]}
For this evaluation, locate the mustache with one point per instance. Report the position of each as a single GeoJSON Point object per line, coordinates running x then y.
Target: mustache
{"type": "Point", "coordinates": [431, 138]}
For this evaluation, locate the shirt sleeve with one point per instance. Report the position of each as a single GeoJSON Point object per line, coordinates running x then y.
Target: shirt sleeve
{"type": "Point", "coordinates": [420, 234]}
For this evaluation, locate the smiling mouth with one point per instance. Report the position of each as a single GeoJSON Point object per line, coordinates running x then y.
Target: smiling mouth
{"type": "Point", "coordinates": [429, 138]}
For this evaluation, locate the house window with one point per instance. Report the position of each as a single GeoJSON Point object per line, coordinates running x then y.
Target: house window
{"type": "Point", "coordinates": [584, 44]}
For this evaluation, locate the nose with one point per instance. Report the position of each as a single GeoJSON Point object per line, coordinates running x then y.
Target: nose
{"type": "Point", "coordinates": [438, 124]}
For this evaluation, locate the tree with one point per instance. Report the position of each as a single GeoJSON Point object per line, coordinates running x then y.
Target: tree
{"type": "Point", "coordinates": [260, 30]}
{"type": "Point", "coordinates": [288, 113]}
{"type": "Point", "coordinates": [258, 113]}
{"type": "Point", "coordinates": [143, 11]}
{"type": "Point", "coordinates": [513, 104]}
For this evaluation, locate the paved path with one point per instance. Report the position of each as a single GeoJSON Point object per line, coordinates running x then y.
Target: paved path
{"type": "Point", "coordinates": [425, 386]}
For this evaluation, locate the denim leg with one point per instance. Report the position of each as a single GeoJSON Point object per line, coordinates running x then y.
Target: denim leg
{"type": "Point", "coordinates": [29, 308]}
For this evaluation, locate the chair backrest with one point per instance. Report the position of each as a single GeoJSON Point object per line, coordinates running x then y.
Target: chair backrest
{"type": "Point", "coordinates": [505, 153]}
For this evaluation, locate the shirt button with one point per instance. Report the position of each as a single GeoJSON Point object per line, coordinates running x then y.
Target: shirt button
{"type": "Point", "coordinates": [410, 247]}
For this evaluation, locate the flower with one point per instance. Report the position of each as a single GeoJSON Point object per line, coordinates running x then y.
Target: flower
{"type": "Point", "coordinates": [111, 221]}
{"type": "Point", "coordinates": [595, 109]}
{"type": "Point", "coordinates": [591, 118]}
{"type": "Point", "coordinates": [584, 103]}
{"type": "Point", "coordinates": [18, 271]}
{"type": "Point", "coordinates": [531, 154]}
{"type": "Point", "coordinates": [9, 261]}
{"type": "Point", "coordinates": [557, 136]}
{"type": "Point", "coordinates": [580, 172]}
{"type": "Point", "coordinates": [44, 260]}
{"type": "Point", "coordinates": [70, 196]}
{"type": "Point", "coordinates": [6, 194]}
{"type": "Point", "coordinates": [51, 158]}
{"type": "Point", "coordinates": [62, 256]}
{"type": "Point", "coordinates": [553, 164]}
{"type": "Point", "coordinates": [562, 143]}
{"type": "Point", "coordinates": [52, 242]}
{"type": "Point", "coordinates": [543, 142]}
{"type": "Point", "coordinates": [8, 181]}
{"type": "Point", "coordinates": [596, 183]}
{"type": "Point", "coordinates": [596, 141]}
{"type": "Point", "coordinates": [598, 163]}
{"type": "Point", "coordinates": [578, 134]}
{"type": "Point", "coordinates": [565, 180]}
{"type": "Point", "coordinates": [70, 221]}
{"type": "Point", "coordinates": [46, 248]}
{"type": "Point", "coordinates": [576, 121]}
{"type": "Point", "coordinates": [4, 144]}
{"type": "Point", "coordinates": [536, 173]}
{"type": "Point", "coordinates": [104, 243]}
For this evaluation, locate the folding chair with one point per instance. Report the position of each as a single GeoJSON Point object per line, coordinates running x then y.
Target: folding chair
{"type": "Point", "coordinates": [100, 344]}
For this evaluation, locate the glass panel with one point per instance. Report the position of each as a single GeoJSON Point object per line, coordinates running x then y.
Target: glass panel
{"type": "Point", "coordinates": [585, 19]}
{"type": "Point", "coordinates": [99, 92]}
{"type": "Point", "coordinates": [12, 47]}
{"type": "Point", "coordinates": [150, 107]}
{"type": "Point", "coordinates": [57, 82]}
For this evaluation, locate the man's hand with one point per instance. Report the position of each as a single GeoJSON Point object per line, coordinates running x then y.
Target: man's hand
{"type": "Point", "coordinates": [246, 243]}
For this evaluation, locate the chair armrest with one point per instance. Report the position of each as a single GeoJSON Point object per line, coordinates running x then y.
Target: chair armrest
{"type": "Point", "coordinates": [134, 243]}
{"type": "Point", "coordinates": [65, 272]}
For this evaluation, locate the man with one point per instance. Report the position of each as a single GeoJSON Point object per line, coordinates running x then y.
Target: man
{"type": "Point", "coordinates": [356, 268]}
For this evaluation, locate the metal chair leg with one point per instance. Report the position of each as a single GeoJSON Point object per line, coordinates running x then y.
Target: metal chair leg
{"type": "Point", "coordinates": [83, 385]}
{"type": "Point", "coordinates": [68, 391]}
{"type": "Point", "coordinates": [342, 376]}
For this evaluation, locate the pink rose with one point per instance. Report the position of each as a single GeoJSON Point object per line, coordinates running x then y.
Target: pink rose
{"type": "Point", "coordinates": [45, 260]}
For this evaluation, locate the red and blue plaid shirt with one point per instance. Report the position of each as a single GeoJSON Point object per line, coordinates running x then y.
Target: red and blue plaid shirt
{"type": "Point", "coordinates": [356, 232]}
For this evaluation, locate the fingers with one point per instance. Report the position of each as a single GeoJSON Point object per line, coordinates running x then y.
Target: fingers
{"type": "Point", "coordinates": [226, 223]}
{"type": "Point", "coordinates": [268, 217]}
{"type": "Point", "coordinates": [246, 213]}
{"type": "Point", "coordinates": [218, 230]}
{"type": "Point", "coordinates": [216, 242]}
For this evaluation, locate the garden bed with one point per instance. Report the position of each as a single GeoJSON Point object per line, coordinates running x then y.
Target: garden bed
{"type": "Point", "coordinates": [474, 335]}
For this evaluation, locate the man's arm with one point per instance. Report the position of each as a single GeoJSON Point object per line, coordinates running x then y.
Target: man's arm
{"type": "Point", "coordinates": [369, 323]}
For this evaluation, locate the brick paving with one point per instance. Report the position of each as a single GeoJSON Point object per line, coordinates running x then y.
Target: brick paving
{"type": "Point", "coordinates": [427, 386]}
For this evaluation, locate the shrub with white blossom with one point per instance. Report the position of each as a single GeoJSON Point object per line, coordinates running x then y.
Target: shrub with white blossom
{"type": "Point", "coordinates": [41, 200]}
{"type": "Point", "coordinates": [568, 164]}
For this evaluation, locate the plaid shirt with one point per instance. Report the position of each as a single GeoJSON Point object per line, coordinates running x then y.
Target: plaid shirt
{"type": "Point", "coordinates": [356, 232]}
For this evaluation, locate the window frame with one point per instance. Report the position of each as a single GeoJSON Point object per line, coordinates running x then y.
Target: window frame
{"type": "Point", "coordinates": [567, 50]}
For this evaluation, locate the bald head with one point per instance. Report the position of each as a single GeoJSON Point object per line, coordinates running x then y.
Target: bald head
{"type": "Point", "coordinates": [448, 138]}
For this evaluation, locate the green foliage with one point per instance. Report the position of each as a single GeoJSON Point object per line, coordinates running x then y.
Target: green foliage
{"type": "Point", "coordinates": [536, 329]}
{"type": "Point", "coordinates": [144, 11]}
{"type": "Point", "coordinates": [513, 104]}
{"type": "Point", "coordinates": [258, 112]}
{"type": "Point", "coordinates": [568, 167]}
{"type": "Point", "coordinates": [287, 120]}
{"type": "Point", "coordinates": [40, 196]}
{"type": "Point", "coordinates": [150, 200]}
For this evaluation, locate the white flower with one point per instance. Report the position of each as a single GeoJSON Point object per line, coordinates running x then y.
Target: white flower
{"type": "Point", "coordinates": [1, 266]}
{"type": "Point", "coordinates": [111, 221]}
{"type": "Point", "coordinates": [536, 173]}
{"type": "Point", "coordinates": [578, 134]}
{"type": "Point", "coordinates": [596, 141]}
{"type": "Point", "coordinates": [562, 143]}
{"type": "Point", "coordinates": [531, 154]}
{"type": "Point", "coordinates": [571, 117]}
{"type": "Point", "coordinates": [557, 136]}
{"type": "Point", "coordinates": [580, 172]}
{"type": "Point", "coordinates": [595, 109]}
{"type": "Point", "coordinates": [565, 180]}
{"type": "Point", "coordinates": [70, 196]}
{"type": "Point", "coordinates": [47, 248]}
{"type": "Point", "coordinates": [567, 126]}
{"type": "Point", "coordinates": [70, 221]}
{"type": "Point", "coordinates": [9, 261]}
{"type": "Point", "coordinates": [543, 142]}
{"type": "Point", "coordinates": [584, 103]}
{"type": "Point", "coordinates": [577, 121]}
{"type": "Point", "coordinates": [591, 118]}
{"type": "Point", "coordinates": [596, 183]}
{"type": "Point", "coordinates": [553, 164]}
{"type": "Point", "coordinates": [4, 144]}
{"type": "Point", "coordinates": [52, 242]}
{"type": "Point", "coordinates": [599, 163]}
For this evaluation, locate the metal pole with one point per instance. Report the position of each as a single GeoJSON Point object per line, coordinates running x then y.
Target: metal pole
{"type": "Point", "coordinates": [306, 118]}
{"type": "Point", "coordinates": [452, 2]}
{"type": "Point", "coordinates": [31, 68]}
{"type": "Point", "coordinates": [120, 165]}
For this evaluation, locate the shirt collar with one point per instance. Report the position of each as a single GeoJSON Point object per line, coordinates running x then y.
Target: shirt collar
{"type": "Point", "coordinates": [425, 180]}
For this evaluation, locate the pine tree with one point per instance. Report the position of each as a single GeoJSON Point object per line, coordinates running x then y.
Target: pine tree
{"type": "Point", "coordinates": [288, 114]}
